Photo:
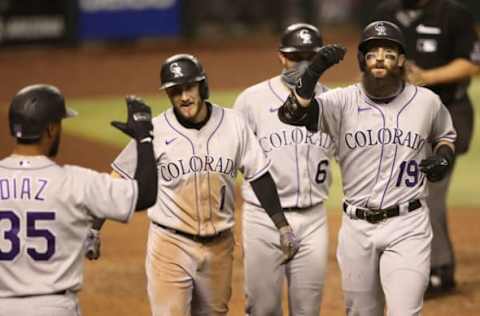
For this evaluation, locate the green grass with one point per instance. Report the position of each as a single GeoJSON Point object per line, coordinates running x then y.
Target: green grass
{"type": "Point", "coordinates": [96, 114]}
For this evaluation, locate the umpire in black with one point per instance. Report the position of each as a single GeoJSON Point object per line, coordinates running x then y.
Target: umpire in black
{"type": "Point", "coordinates": [445, 52]}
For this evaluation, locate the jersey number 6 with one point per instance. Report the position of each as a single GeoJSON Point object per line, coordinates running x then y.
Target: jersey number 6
{"type": "Point", "coordinates": [321, 175]}
{"type": "Point", "coordinates": [32, 232]}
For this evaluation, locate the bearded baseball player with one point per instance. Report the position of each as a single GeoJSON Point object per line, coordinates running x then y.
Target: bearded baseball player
{"type": "Point", "coordinates": [46, 209]}
{"type": "Point", "coordinates": [200, 147]}
{"type": "Point", "coordinates": [301, 171]}
{"type": "Point", "coordinates": [390, 137]}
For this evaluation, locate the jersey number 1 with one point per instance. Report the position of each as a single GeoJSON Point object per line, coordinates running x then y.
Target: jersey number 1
{"type": "Point", "coordinates": [32, 232]}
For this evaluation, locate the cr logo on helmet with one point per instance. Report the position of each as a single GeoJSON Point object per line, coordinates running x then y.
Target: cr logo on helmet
{"type": "Point", "coordinates": [176, 70]}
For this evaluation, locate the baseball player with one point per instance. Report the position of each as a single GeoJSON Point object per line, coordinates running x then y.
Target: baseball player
{"type": "Point", "coordinates": [46, 209]}
{"type": "Point", "coordinates": [389, 136]}
{"type": "Point", "coordinates": [199, 149]}
{"type": "Point", "coordinates": [444, 51]}
{"type": "Point", "coordinates": [301, 171]}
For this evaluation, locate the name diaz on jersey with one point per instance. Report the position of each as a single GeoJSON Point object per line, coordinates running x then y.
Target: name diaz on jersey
{"type": "Point", "coordinates": [173, 169]}
{"type": "Point", "coordinates": [25, 188]}
{"type": "Point", "coordinates": [384, 136]}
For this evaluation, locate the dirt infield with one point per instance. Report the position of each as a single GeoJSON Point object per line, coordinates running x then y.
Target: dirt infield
{"type": "Point", "coordinates": [115, 285]}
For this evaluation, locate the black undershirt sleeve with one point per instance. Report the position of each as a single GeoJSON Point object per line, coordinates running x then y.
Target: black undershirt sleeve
{"type": "Point", "coordinates": [146, 175]}
{"type": "Point", "coordinates": [267, 194]}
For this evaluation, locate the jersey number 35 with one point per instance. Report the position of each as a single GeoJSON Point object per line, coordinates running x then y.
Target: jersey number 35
{"type": "Point", "coordinates": [11, 235]}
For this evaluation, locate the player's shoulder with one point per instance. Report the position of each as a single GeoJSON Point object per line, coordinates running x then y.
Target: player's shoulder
{"type": "Point", "coordinates": [426, 95]}
{"type": "Point", "coordinates": [76, 170]}
{"type": "Point", "coordinates": [260, 87]}
{"type": "Point", "coordinates": [340, 91]}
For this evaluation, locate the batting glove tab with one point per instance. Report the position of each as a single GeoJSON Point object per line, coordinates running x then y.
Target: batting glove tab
{"type": "Point", "coordinates": [92, 244]}
{"type": "Point", "coordinates": [288, 243]}
{"type": "Point", "coordinates": [139, 122]}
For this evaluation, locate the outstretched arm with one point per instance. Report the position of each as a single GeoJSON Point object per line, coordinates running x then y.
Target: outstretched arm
{"type": "Point", "coordinates": [300, 108]}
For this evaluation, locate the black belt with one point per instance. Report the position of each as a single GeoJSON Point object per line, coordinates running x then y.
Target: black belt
{"type": "Point", "coordinates": [197, 238]}
{"type": "Point", "coordinates": [43, 294]}
{"type": "Point", "coordinates": [374, 216]}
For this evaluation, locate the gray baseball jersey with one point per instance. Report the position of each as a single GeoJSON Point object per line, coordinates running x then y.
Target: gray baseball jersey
{"type": "Point", "coordinates": [300, 159]}
{"type": "Point", "coordinates": [197, 170]}
{"type": "Point", "coordinates": [379, 146]}
{"type": "Point", "coordinates": [301, 171]}
{"type": "Point", "coordinates": [45, 213]}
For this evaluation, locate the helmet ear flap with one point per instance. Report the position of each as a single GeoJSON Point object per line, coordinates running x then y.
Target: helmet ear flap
{"type": "Point", "coordinates": [203, 89]}
{"type": "Point", "coordinates": [361, 61]}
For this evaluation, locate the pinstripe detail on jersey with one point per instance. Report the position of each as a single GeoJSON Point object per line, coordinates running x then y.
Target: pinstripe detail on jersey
{"type": "Point", "coordinates": [396, 146]}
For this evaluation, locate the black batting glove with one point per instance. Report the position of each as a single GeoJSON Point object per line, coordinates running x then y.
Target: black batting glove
{"type": "Point", "coordinates": [288, 243]}
{"type": "Point", "coordinates": [139, 122]}
{"type": "Point", "coordinates": [326, 57]}
{"type": "Point", "coordinates": [437, 166]}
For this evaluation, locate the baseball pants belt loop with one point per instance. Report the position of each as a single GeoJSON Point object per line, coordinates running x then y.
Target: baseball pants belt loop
{"type": "Point", "coordinates": [374, 216]}
{"type": "Point", "coordinates": [196, 238]}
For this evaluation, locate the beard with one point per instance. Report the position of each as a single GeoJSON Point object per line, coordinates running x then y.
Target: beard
{"type": "Point", "coordinates": [383, 88]}
{"type": "Point", "coordinates": [54, 148]}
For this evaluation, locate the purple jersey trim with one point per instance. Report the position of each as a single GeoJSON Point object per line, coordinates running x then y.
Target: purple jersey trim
{"type": "Point", "coordinates": [208, 173]}
{"type": "Point", "coordinates": [274, 92]}
{"type": "Point", "coordinates": [180, 133]}
{"type": "Point", "coordinates": [396, 146]}
{"type": "Point", "coordinates": [260, 172]}
{"type": "Point", "coordinates": [120, 171]}
{"type": "Point", "coordinates": [194, 174]}
{"type": "Point", "coordinates": [34, 168]}
{"type": "Point", "coordinates": [309, 173]}
{"type": "Point", "coordinates": [216, 128]}
{"type": "Point", "coordinates": [381, 152]}
{"type": "Point", "coordinates": [298, 173]}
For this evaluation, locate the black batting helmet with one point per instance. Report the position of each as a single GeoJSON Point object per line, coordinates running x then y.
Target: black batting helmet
{"type": "Point", "coordinates": [33, 108]}
{"type": "Point", "coordinates": [379, 30]}
{"type": "Point", "coordinates": [382, 30]}
{"type": "Point", "coordinates": [301, 37]}
{"type": "Point", "coordinates": [181, 69]}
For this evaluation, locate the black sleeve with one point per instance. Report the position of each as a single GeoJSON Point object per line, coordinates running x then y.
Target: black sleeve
{"type": "Point", "coordinates": [146, 175]}
{"type": "Point", "coordinates": [461, 28]}
{"type": "Point", "coordinates": [267, 194]}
